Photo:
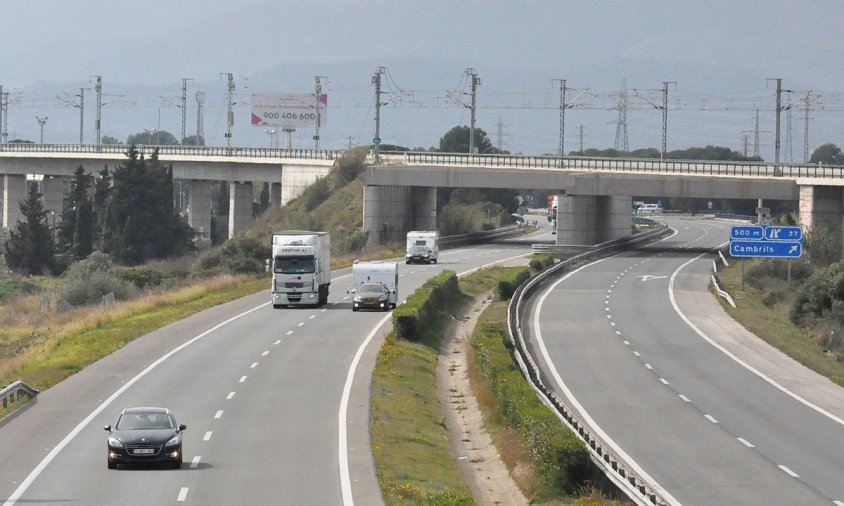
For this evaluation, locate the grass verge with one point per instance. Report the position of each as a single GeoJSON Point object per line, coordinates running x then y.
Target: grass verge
{"type": "Point", "coordinates": [59, 350]}
{"type": "Point", "coordinates": [772, 325]}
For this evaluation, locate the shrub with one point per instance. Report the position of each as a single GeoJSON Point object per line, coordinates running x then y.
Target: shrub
{"type": "Point", "coordinates": [349, 241]}
{"type": "Point", "coordinates": [140, 276]}
{"type": "Point", "coordinates": [757, 274]}
{"type": "Point", "coordinates": [350, 166]}
{"type": "Point", "coordinates": [509, 282]}
{"type": "Point", "coordinates": [87, 291]}
{"type": "Point", "coordinates": [244, 254]}
{"type": "Point", "coordinates": [818, 294]}
{"type": "Point", "coordinates": [421, 308]}
{"type": "Point", "coordinates": [540, 262]}
{"type": "Point", "coordinates": [316, 194]}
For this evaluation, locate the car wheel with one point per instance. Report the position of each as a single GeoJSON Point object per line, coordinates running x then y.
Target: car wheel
{"type": "Point", "coordinates": [408, 262]}
{"type": "Point", "coordinates": [276, 306]}
{"type": "Point", "coordinates": [112, 465]}
{"type": "Point", "coordinates": [355, 309]}
{"type": "Point", "coordinates": [435, 260]}
{"type": "Point", "coordinates": [283, 306]}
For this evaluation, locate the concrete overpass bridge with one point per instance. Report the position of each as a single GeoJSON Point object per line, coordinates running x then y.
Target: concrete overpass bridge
{"type": "Point", "coordinates": [595, 203]}
{"type": "Point", "coordinates": [288, 172]}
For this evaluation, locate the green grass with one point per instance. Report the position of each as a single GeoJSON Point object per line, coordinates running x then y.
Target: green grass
{"type": "Point", "coordinates": [60, 352]}
{"type": "Point", "coordinates": [773, 326]}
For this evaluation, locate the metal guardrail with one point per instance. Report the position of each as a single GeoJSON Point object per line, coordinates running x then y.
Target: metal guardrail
{"type": "Point", "coordinates": [476, 237]}
{"type": "Point", "coordinates": [121, 149]}
{"type": "Point", "coordinates": [691, 167]}
{"type": "Point", "coordinates": [13, 392]}
{"type": "Point", "coordinates": [615, 468]}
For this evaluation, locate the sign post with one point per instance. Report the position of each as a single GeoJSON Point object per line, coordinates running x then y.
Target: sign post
{"type": "Point", "coordinates": [773, 241]}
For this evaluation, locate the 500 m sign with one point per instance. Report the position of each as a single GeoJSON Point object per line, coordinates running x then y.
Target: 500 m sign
{"type": "Point", "coordinates": [289, 110]}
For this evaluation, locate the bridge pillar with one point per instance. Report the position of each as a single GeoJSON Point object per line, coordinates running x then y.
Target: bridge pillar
{"type": "Point", "coordinates": [821, 207]}
{"type": "Point", "coordinates": [586, 220]}
{"type": "Point", "coordinates": [52, 192]}
{"type": "Point", "coordinates": [275, 195]}
{"type": "Point", "coordinates": [199, 209]}
{"type": "Point", "coordinates": [240, 207]}
{"type": "Point", "coordinates": [14, 192]}
{"type": "Point", "coordinates": [389, 212]}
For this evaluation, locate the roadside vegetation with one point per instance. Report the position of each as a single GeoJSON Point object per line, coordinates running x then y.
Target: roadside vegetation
{"type": "Point", "coordinates": [412, 457]}
{"type": "Point", "coordinates": [803, 317]}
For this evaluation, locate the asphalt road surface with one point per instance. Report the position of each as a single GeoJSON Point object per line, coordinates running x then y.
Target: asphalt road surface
{"type": "Point", "coordinates": [276, 404]}
{"type": "Point", "coordinates": [611, 340]}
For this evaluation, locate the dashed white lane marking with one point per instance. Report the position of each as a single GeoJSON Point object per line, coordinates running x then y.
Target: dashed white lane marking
{"type": "Point", "coordinates": [195, 462]}
{"type": "Point", "coordinates": [609, 316]}
{"type": "Point", "coordinates": [207, 436]}
{"type": "Point", "coordinates": [218, 414]}
{"type": "Point", "coordinates": [183, 494]}
{"type": "Point", "coordinates": [254, 365]}
{"type": "Point", "coordinates": [277, 342]}
{"type": "Point", "coordinates": [612, 323]}
{"type": "Point", "coordinates": [838, 503]}
{"type": "Point", "coordinates": [745, 442]}
{"type": "Point", "coordinates": [312, 316]}
{"type": "Point", "coordinates": [663, 381]}
{"type": "Point", "coordinates": [289, 332]}
{"type": "Point", "coordinates": [788, 471]}
{"type": "Point", "coordinates": [649, 367]}
{"type": "Point", "coordinates": [686, 399]}
{"type": "Point", "coordinates": [627, 343]}
{"type": "Point", "coordinates": [346, 297]}
{"type": "Point", "coordinates": [618, 332]}
{"type": "Point", "coordinates": [267, 352]}
{"type": "Point", "coordinates": [242, 379]}
{"type": "Point", "coordinates": [711, 418]}
{"type": "Point", "coordinates": [228, 397]}
{"type": "Point", "coordinates": [637, 353]}
{"type": "Point", "coordinates": [302, 323]}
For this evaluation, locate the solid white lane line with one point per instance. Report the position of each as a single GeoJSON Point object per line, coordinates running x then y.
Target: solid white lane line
{"type": "Point", "coordinates": [838, 503]}
{"type": "Point", "coordinates": [218, 414]}
{"type": "Point", "coordinates": [573, 400]}
{"type": "Point", "coordinates": [228, 397]}
{"type": "Point", "coordinates": [183, 494]}
{"type": "Point", "coordinates": [663, 381]}
{"type": "Point", "coordinates": [195, 462]}
{"type": "Point", "coordinates": [734, 357]}
{"type": "Point", "coordinates": [343, 446]}
{"type": "Point", "coordinates": [84, 423]}
{"type": "Point", "coordinates": [711, 418]}
{"type": "Point", "coordinates": [745, 442]}
{"type": "Point", "coordinates": [788, 471]}
{"type": "Point", "coordinates": [323, 310]}
{"type": "Point", "coordinates": [265, 353]}
{"type": "Point", "coordinates": [207, 436]}
{"type": "Point", "coordinates": [242, 379]}
{"type": "Point", "coordinates": [685, 398]}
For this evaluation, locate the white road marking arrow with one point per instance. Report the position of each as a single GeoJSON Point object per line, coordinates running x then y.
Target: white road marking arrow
{"type": "Point", "coordinates": [648, 277]}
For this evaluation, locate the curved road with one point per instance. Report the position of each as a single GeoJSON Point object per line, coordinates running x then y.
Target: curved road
{"type": "Point", "coordinates": [612, 340]}
{"type": "Point", "coordinates": [276, 404]}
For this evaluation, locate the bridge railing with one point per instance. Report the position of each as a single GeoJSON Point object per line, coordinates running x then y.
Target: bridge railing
{"type": "Point", "coordinates": [691, 167]}
{"type": "Point", "coordinates": [121, 149]}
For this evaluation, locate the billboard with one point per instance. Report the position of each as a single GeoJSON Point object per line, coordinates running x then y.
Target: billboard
{"type": "Point", "coordinates": [289, 110]}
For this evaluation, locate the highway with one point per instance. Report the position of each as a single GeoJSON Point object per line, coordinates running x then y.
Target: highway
{"type": "Point", "coordinates": [612, 341]}
{"type": "Point", "coordinates": [276, 404]}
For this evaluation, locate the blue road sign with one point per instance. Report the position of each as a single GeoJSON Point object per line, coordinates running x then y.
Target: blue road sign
{"type": "Point", "coordinates": [529, 198]}
{"type": "Point", "coordinates": [747, 232]}
{"type": "Point", "coordinates": [772, 249]}
{"type": "Point", "coordinates": [778, 233]}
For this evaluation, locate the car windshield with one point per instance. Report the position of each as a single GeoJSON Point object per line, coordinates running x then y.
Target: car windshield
{"type": "Point", "coordinates": [294, 265]}
{"type": "Point", "coordinates": [370, 289]}
{"type": "Point", "coordinates": [416, 248]}
{"type": "Point", "coordinates": [142, 421]}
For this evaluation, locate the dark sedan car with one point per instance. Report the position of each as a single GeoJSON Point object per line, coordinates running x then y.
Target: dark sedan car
{"type": "Point", "coordinates": [371, 295]}
{"type": "Point", "coordinates": [148, 435]}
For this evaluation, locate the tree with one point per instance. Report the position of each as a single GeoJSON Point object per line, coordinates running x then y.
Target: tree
{"type": "Point", "coordinates": [102, 188]}
{"type": "Point", "coordinates": [107, 139]}
{"type": "Point", "coordinates": [30, 248]}
{"type": "Point", "coordinates": [456, 140]}
{"type": "Point", "coordinates": [141, 221]}
{"type": "Point", "coordinates": [828, 154]}
{"type": "Point", "coordinates": [79, 186]}
{"type": "Point", "coordinates": [192, 140]}
{"type": "Point", "coordinates": [152, 138]}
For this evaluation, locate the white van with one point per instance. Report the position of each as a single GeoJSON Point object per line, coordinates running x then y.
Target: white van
{"type": "Point", "coordinates": [649, 209]}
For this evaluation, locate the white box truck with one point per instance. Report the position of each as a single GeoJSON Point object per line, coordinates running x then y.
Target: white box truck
{"type": "Point", "coordinates": [301, 268]}
{"type": "Point", "coordinates": [383, 273]}
{"type": "Point", "coordinates": [422, 247]}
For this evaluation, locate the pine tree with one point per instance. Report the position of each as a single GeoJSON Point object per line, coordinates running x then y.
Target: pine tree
{"type": "Point", "coordinates": [83, 237]}
{"type": "Point", "coordinates": [30, 248]}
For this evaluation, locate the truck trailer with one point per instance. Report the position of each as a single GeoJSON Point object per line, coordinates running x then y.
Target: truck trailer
{"type": "Point", "coordinates": [383, 272]}
{"type": "Point", "coordinates": [422, 247]}
{"type": "Point", "coordinates": [301, 268]}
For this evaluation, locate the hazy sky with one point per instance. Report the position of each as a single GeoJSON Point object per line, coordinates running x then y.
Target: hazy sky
{"type": "Point", "coordinates": [718, 52]}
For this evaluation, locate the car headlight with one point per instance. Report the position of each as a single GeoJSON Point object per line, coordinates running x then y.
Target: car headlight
{"type": "Point", "coordinates": [114, 442]}
{"type": "Point", "coordinates": [357, 299]}
{"type": "Point", "coordinates": [173, 441]}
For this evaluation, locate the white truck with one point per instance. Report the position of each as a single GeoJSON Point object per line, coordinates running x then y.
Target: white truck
{"type": "Point", "coordinates": [381, 272]}
{"type": "Point", "coordinates": [301, 268]}
{"type": "Point", "coordinates": [422, 247]}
